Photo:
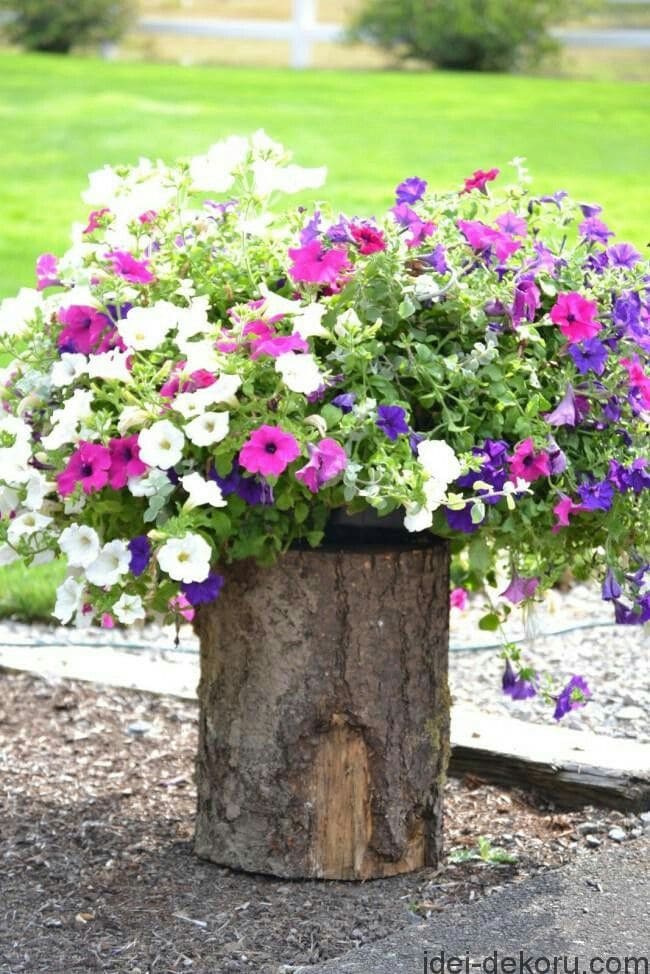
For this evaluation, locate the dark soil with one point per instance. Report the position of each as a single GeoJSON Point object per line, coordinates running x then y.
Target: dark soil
{"type": "Point", "coordinates": [97, 870]}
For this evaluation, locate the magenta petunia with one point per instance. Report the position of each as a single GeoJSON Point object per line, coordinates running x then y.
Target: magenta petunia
{"type": "Point", "coordinates": [326, 461]}
{"type": "Point", "coordinates": [459, 599]}
{"type": "Point", "coordinates": [529, 464]}
{"type": "Point", "coordinates": [314, 265]}
{"type": "Point", "coordinates": [84, 328]}
{"type": "Point", "coordinates": [511, 223]}
{"type": "Point", "coordinates": [268, 451]}
{"type": "Point", "coordinates": [279, 345]}
{"type": "Point", "coordinates": [479, 180]}
{"type": "Point", "coordinates": [127, 267]}
{"type": "Point", "coordinates": [47, 271]}
{"type": "Point", "coordinates": [368, 239]}
{"type": "Point", "coordinates": [179, 381]}
{"type": "Point", "coordinates": [88, 466]}
{"type": "Point", "coordinates": [481, 237]}
{"type": "Point", "coordinates": [576, 316]}
{"type": "Point", "coordinates": [125, 461]}
{"type": "Point", "coordinates": [563, 510]}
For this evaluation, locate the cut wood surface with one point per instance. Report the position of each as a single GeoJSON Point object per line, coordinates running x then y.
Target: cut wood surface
{"type": "Point", "coordinates": [567, 766]}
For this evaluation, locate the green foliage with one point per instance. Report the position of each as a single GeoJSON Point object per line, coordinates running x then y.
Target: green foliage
{"type": "Point", "coordinates": [467, 35]}
{"type": "Point", "coordinates": [56, 26]}
{"type": "Point", "coordinates": [484, 852]}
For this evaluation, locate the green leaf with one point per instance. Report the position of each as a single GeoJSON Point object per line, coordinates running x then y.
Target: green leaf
{"type": "Point", "coordinates": [489, 622]}
{"type": "Point", "coordinates": [479, 556]}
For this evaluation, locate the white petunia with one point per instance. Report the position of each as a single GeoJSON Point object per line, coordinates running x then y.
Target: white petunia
{"type": "Point", "coordinates": [69, 597]}
{"type": "Point", "coordinates": [68, 368]}
{"type": "Point", "coordinates": [9, 501]}
{"type": "Point", "coordinates": [80, 544]}
{"type": "Point", "coordinates": [214, 170]}
{"type": "Point", "coordinates": [129, 609]}
{"type": "Point", "coordinates": [199, 355]}
{"type": "Point", "coordinates": [208, 428]}
{"type": "Point", "coordinates": [112, 562]}
{"type": "Point", "coordinates": [15, 445]}
{"type": "Point", "coordinates": [152, 483]}
{"type": "Point", "coordinates": [145, 329]}
{"type": "Point", "coordinates": [130, 417]}
{"type": "Point", "coordinates": [38, 487]}
{"type": "Point", "coordinates": [161, 445]}
{"type": "Point", "coordinates": [439, 460]}
{"type": "Point", "coordinates": [17, 312]}
{"type": "Point", "coordinates": [26, 525]}
{"type": "Point", "coordinates": [299, 372]}
{"type": "Point", "coordinates": [192, 404]}
{"type": "Point", "coordinates": [111, 365]}
{"type": "Point", "coordinates": [193, 320]}
{"type": "Point", "coordinates": [308, 322]}
{"type": "Point", "coordinates": [201, 492]}
{"type": "Point", "coordinates": [186, 559]}
{"type": "Point", "coordinates": [418, 518]}
{"type": "Point", "coordinates": [269, 177]}
{"type": "Point", "coordinates": [67, 419]}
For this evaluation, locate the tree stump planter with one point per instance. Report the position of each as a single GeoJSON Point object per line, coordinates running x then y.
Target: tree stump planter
{"type": "Point", "coordinates": [324, 709]}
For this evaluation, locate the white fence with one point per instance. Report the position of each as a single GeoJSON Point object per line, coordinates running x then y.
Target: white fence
{"type": "Point", "coordinates": [304, 30]}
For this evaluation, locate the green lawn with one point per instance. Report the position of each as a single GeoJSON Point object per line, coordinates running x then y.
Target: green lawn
{"type": "Point", "coordinates": [62, 117]}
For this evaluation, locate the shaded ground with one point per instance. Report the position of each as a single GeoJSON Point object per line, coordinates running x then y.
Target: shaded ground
{"type": "Point", "coordinates": [96, 813]}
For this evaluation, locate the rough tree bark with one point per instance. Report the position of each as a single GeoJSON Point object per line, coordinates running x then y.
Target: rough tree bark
{"type": "Point", "coordinates": [324, 714]}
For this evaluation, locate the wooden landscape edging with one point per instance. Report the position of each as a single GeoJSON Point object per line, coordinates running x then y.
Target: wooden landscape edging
{"type": "Point", "coordinates": [567, 767]}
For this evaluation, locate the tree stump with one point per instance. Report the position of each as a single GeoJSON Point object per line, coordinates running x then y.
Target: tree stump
{"type": "Point", "coordinates": [324, 713]}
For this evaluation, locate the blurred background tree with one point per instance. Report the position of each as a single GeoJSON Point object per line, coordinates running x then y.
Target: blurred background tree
{"type": "Point", "coordinates": [465, 35]}
{"type": "Point", "coordinates": [56, 26]}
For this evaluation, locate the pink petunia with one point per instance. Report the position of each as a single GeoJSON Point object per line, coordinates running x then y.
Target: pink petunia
{"type": "Point", "coordinates": [88, 466]}
{"type": "Point", "coordinates": [125, 461]}
{"type": "Point", "coordinates": [528, 464]}
{"type": "Point", "coordinates": [479, 180]}
{"type": "Point", "coordinates": [83, 329]}
{"type": "Point", "coordinates": [268, 451]}
{"type": "Point", "coordinates": [459, 599]}
{"type": "Point", "coordinates": [313, 265]}
{"type": "Point", "coordinates": [481, 237]}
{"type": "Point", "coordinates": [326, 461]}
{"type": "Point", "coordinates": [563, 510]}
{"type": "Point", "coordinates": [180, 382]}
{"type": "Point", "coordinates": [368, 239]}
{"type": "Point", "coordinates": [47, 270]}
{"type": "Point", "coordinates": [279, 345]}
{"type": "Point", "coordinates": [511, 223]}
{"type": "Point", "coordinates": [94, 219]}
{"type": "Point", "coordinates": [180, 605]}
{"type": "Point", "coordinates": [639, 379]}
{"type": "Point", "coordinates": [108, 622]}
{"type": "Point", "coordinates": [127, 267]}
{"type": "Point", "coordinates": [576, 316]}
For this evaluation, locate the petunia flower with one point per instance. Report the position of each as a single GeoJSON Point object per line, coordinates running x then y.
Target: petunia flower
{"type": "Point", "coordinates": [88, 466]}
{"type": "Point", "coordinates": [368, 239]}
{"type": "Point", "coordinates": [564, 508]}
{"type": "Point", "coordinates": [129, 269]}
{"type": "Point", "coordinates": [391, 420]}
{"type": "Point", "coordinates": [83, 329]}
{"type": "Point", "coordinates": [570, 411]}
{"type": "Point", "coordinates": [596, 495]}
{"type": "Point", "coordinates": [326, 461]}
{"type": "Point", "coordinates": [576, 316]}
{"type": "Point", "coordinates": [459, 599]}
{"type": "Point", "coordinates": [589, 356]}
{"type": "Point", "coordinates": [574, 695]}
{"type": "Point", "coordinates": [479, 180]}
{"type": "Point", "coordinates": [199, 593]}
{"type": "Point", "coordinates": [518, 687]}
{"type": "Point", "coordinates": [528, 463]}
{"type": "Point", "coordinates": [519, 589]}
{"type": "Point", "coordinates": [595, 231]}
{"type": "Point", "coordinates": [47, 272]}
{"type": "Point", "coordinates": [411, 190]}
{"type": "Point", "coordinates": [268, 451]}
{"type": "Point", "coordinates": [314, 265]}
{"type": "Point", "coordinates": [125, 461]}
{"type": "Point", "coordinates": [140, 549]}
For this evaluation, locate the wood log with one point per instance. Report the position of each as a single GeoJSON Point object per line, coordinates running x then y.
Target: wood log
{"type": "Point", "coordinates": [324, 713]}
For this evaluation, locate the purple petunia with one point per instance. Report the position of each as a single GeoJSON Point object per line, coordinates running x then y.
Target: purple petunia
{"type": "Point", "coordinates": [410, 190]}
{"type": "Point", "coordinates": [208, 590]}
{"type": "Point", "coordinates": [595, 231]}
{"type": "Point", "coordinates": [570, 411]}
{"type": "Point", "coordinates": [344, 401]}
{"type": "Point", "coordinates": [589, 356]}
{"type": "Point", "coordinates": [596, 495]}
{"type": "Point", "coordinates": [574, 695]}
{"type": "Point", "coordinates": [250, 489]}
{"type": "Point", "coordinates": [140, 548]}
{"type": "Point", "coordinates": [518, 687]}
{"type": "Point", "coordinates": [611, 589]}
{"type": "Point", "coordinates": [462, 520]}
{"type": "Point", "coordinates": [391, 420]}
{"type": "Point", "coordinates": [623, 255]}
{"type": "Point", "coordinates": [437, 259]}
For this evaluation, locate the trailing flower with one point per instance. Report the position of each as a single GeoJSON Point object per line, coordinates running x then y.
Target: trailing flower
{"type": "Point", "coordinates": [203, 377]}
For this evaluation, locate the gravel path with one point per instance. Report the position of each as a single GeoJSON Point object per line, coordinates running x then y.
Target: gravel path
{"type": "Point", "coordinates": [615, 660]}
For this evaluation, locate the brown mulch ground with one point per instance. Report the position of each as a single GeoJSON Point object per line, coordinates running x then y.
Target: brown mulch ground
{"type": "Point", "coordinates": [96, 865]}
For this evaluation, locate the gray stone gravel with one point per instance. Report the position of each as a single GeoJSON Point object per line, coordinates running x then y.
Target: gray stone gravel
{"type": "Point", "coordinates": [615, 660]}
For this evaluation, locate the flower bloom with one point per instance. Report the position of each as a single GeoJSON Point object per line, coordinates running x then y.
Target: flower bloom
{"type": "Point", "coordinates": [110, 564]}
{"type": "Point", "coordinates": [368, 239]}
{"type": "Point", "coordinates": [517, 687]}
{"type": "Point", "coordinates": [125, 461]}
{"type": "Point", "coordinates": [88, 466]}
{"type": "Point", "coordinates": [47, 271]}
{"type": "Point", "coordinates": [564, 508]}
{"type": "Point", "coordinates": [520, 589]}
{"type": "Point", "coordinates": [129, 609]}
{"type": "Point", "coordinates": [574, 695]}
{"type": "Point", "coordinates": [391, 420]}
{"type": "Point", "coordinates": [314, 265]}
{"type": "Point", "coordinates": [129, 269]}
{"type": "Point", "coordinates": [479, 180]}
{"type": "Point", "coordinates": [459, 599]}
{"type": "Point", "coordinates": [575, 316]}
{"type": "Point", "coordinates": [326, 461]}
{"type": "Point", "coordinates": [481, 237]}
{"type": "Point", "coordinates": [161, 445]}
{"type": "Point", "coordinates": [529, 464]}
{"type": "Point", "coordinates": [197, 593]}
{"type": "Point", "coordinates": [83, 329]}
{"type": "Point", "coordinates": [589, 356]}
{"type": "Point", "coordinates": [410, 190]}
{"type": "Point", "coordinates": [268, 451]}
{"type": "Point", "coordinates": [140, 549]}
{"type": "Point", "coordinates": [186, 559]}
{"type": "Point", "coordinates": [80, 544]}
